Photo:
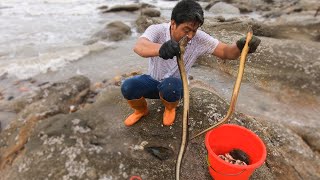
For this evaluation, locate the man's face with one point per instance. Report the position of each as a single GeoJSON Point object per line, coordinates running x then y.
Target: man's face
{"type": "Point", "coordinates": [188, 29]}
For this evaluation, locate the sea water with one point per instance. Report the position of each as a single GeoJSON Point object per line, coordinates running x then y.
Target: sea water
{"type": "Point", "coordinates": [37, 36]}
{"type": "Point", "coordinates": [43, 40]}
{"type": "Point", "coordinates": [45, 35]}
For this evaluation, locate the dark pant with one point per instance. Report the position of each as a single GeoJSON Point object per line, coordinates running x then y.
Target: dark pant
{"type": "Point", "coordinates": [145, 86]}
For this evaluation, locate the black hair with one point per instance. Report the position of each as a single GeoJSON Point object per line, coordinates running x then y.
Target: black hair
{"type": "Point", "coordinates": [187, 11]}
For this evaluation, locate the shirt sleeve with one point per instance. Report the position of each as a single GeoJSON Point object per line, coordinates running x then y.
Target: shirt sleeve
{"type": "Point", "coordinates": [207, 44]}
{"type": "Point", "coordinates": [153, 33]}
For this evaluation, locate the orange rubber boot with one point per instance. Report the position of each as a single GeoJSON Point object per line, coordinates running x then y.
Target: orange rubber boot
{"type": "Point", "coordinates": [140, 109]}
{"type": "Point", "coordinates": [169, 114]}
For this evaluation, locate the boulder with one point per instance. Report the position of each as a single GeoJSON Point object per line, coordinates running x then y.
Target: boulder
{"type": "Point", "coordinates": [118, 30]}
{"type": "Point", "coordinates": [150, 12]}
{"type": "Point", "coordinates": [54, 99]}
{"type": "Point", "coordinates": [278, 64]}
{"type": "Point", "coordinates": [103, 7]}
{"type": "Point", "coordinates": [114, 31]}
{"type": "Point", "coordinates": [93, 143]}
{"type": "Point", "coordinates": [143, 22]}
{"type": "Point", "coordinates": [224, 8]}
{"type": "Point", "coordinates": [129, 8]}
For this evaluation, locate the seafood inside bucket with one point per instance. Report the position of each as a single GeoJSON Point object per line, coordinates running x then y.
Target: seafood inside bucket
{"type": "Point", "coordinates": [234, 152]}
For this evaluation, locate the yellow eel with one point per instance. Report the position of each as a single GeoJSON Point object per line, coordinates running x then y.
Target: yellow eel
{"type": "Point", "coordinates": [182, 44]}
{"type": "Point", "coordinates": [236, 88]}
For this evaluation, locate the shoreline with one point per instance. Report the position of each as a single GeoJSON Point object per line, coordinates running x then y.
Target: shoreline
{"type": "Point", "coordinates": [98, 66]}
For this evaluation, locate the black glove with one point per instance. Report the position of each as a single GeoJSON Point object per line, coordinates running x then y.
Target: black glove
{"type": "Point", "coordinates": [253, 44]}
{"type": "Point", "coordinates": [169, 49]}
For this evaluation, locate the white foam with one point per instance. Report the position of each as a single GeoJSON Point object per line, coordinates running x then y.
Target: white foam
{"type": "Point", "coordinates": [23, 68]}
{"type": "Point", "coordinates": [43, 35]}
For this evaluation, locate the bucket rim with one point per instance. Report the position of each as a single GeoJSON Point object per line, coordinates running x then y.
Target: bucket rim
{"type": "Point", "coordinates": [250, 166]}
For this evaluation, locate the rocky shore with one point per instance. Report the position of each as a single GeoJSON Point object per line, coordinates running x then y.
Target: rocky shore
{"type": "Point", "coordinates": [73, 129]}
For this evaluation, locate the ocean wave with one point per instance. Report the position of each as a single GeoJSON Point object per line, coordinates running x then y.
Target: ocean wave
{"type": "Point", "coordinates": [50, 61]}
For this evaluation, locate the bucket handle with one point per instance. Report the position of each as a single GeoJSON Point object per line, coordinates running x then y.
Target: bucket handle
{"type": "Point", "coordinates": [225, 173]}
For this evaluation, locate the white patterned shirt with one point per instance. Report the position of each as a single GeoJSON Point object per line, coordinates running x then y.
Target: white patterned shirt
{"type": "Point", "coordinates": [159, 69]}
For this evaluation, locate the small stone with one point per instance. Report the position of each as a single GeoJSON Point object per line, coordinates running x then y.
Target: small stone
{"type": "Point", "coordinates": [72, 109]}
{"type": "Point", "coordinates": [92, 173]}
{"type": "Point", "coordinates": [10, 98]}
{"type": "Point", "coordinates": [23, 89]}
{"type": "Point", "coordinates": [32, 81]}
{"type": "Point", "coordinates": [42, 84]}
{"type": "Point", "coordinates": [98, 85]}
{"type": "Point", "coordinates": [90, 101]}
{"type": "Point", "coordinates": [103, 7]}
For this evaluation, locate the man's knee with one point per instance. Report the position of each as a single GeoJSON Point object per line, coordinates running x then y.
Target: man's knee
{"type": "Point", "coordinates": [171, 89]}
{"type": "Point", "coordinates": [173, 82]}
{"type": "Point", "coordinates": [127, 88]}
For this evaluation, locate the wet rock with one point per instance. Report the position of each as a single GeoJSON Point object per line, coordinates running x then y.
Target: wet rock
{"type": "Point", "coordinates": [103, 7]}
{"type": "Point", "coordinates": [269, 67]}
{"type": "Point", "coordinates": [244, 8]}
{"type": "Point", "coordinates": [133, 73]}
{"type": "Point", "coordinates": [224, 8]}
{"type": "Point", "coordinates": [280, 12]}
{"type": "Point", "coordinates": [114, 31]}
{"type": "Point", "coordinates": [90, 100]}
{"type": "Point", "coordinates": [3, 76]}
{"type": "Point", "coordinates": [57, 98]}
{"type": "Point", "coordinates": [143, 22]}
{"type": "Point", "coordinates": [117, 80]}
{"type": "Point", "coordinates": [308, 134]}
{"type": "Point", "coordinates": [42, 84]}
{"type": "Point", "coordinates": [92, 40]}
{"type": "Point", "coordinates": [210, 4]}
{"type": "Point", "coordinates": [129, 7]}
{"type": "Point", "coordinates": [221, 19]}
{"type": "Point", "coordinates": [92, 173]}
{"type": "Point", "coordinates": [146, 5]}
{"type": "Point", "coordinates": [84, 142]}
{"type": "Point", "coordinates": [150, 12]}
{"type": "Point", "coordinates": [72, 109]}
{"type": "Point", "coordinates": [23, 89]}
{"type": "Point", "coordinates": [119, 26]}
{"type": "Point", "coordinates": [317, 12]}
{"type": "Point", "coordinates": [97, 85]}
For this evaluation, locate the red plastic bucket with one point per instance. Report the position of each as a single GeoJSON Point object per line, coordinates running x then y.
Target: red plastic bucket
{"type": "Point", "coordinates": [224, 139]}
